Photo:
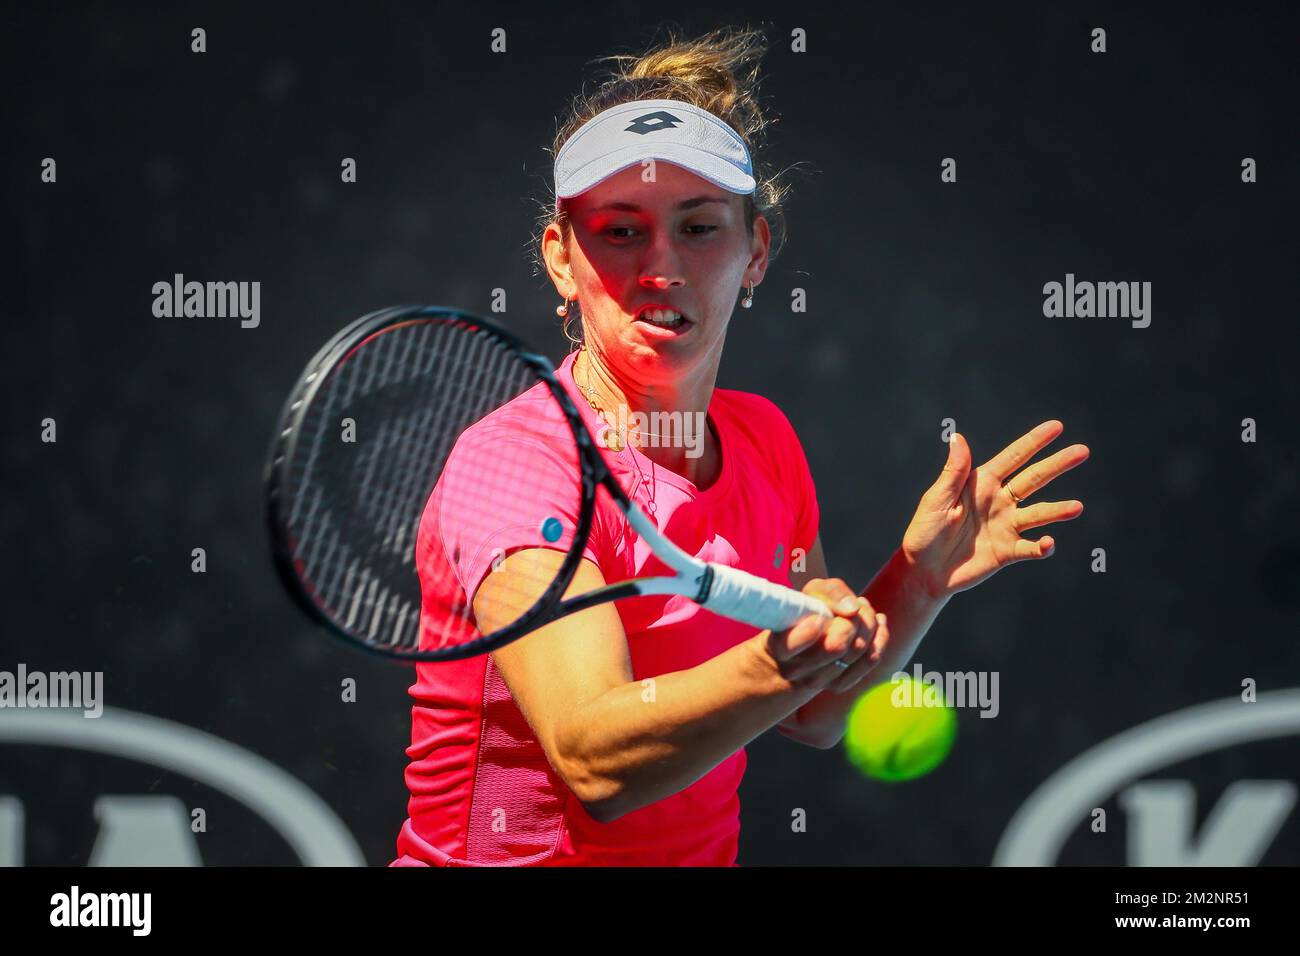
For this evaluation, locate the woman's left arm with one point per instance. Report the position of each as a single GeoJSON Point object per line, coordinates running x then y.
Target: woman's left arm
{"type": "Point", "coordinates": [966, 527]}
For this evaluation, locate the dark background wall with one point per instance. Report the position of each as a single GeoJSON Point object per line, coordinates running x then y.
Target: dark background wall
{"type": "Point", "coordinates": [925, 302]}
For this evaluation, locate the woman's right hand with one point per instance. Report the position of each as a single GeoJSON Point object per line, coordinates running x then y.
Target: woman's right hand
{"type": "Point", "coordinates": [806, 653]}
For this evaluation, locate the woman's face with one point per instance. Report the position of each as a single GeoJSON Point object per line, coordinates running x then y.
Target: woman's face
{"type": "Point", "coordinates": [679, 242]}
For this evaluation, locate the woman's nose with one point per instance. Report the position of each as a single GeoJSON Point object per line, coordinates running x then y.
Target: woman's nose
{"type": "Point", "coordinates": [661, 282]}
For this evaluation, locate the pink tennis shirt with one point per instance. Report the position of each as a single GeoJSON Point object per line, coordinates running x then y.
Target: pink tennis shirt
{"type": "Point", "coordinates": [482, 792]}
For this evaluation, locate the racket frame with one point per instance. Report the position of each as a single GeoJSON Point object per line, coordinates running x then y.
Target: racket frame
{"type": "Point", "coordinates": [694, 578]}
{"type": "Point", "coordinates": [284, 445]}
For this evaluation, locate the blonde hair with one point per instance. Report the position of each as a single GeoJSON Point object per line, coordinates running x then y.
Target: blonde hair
{"type": "Point", "coordinates": [717, 72]}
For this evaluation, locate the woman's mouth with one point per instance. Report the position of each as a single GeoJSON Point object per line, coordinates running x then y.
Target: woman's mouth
{"type": "Point", "coordinates": [668, 320]}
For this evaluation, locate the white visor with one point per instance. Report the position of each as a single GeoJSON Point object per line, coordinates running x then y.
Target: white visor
{"type": "Point", "coordinates": [669, 130]}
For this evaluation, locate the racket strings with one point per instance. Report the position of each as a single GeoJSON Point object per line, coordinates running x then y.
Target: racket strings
{"type": "Point", "coordinates": [495, 494]}
{"type": "Point", "coordinates": [360, 488]}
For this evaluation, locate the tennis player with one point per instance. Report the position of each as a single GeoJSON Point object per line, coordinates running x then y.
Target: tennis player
{"type": "Point", "coordinates": [616, 736]}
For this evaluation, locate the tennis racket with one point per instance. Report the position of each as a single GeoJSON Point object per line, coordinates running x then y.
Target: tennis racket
{"type": "Point", "coordinates": [395, 418]}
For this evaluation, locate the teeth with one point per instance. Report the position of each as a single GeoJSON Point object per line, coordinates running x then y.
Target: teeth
{"type": "Point", "coordinates": [664, 317]}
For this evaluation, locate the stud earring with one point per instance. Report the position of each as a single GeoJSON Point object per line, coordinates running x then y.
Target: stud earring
{"type": "Point", "coordinates": [748, 300]}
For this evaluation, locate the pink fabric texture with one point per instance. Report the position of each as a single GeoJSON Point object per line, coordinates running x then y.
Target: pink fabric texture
{"type": "Point", "coordinates": [482, 792]}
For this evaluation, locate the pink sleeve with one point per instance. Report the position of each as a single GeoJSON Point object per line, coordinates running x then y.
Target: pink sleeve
{"type": "Point", "coordinates": [499, 491]}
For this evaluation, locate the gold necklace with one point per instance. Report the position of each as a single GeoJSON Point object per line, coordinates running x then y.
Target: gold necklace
{"type": "Point", "coordinates": [615, 439]}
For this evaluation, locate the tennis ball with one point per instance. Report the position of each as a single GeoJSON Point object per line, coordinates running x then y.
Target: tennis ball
{"type": "Point", "coordinates": [900, 730]}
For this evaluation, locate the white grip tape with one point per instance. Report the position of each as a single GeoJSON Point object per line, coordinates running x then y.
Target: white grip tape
{"type": "Point", "coordinates": [744, 597]}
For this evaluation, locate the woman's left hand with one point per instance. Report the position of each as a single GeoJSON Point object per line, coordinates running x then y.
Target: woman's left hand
{"type": "Point", "coordinates": [967, 525]}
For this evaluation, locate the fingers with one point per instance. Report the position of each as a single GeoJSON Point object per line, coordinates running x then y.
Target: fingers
{"type": "Point", "coordinates": [1042, 473]}
{"type": "Point", "coordinates": [816, 642]}
{"type": "Point", "coordinates": [841, 640]}
{"type": "Point", "coordinates": [1031, 550]}
{"type": "Point", "coordinates": [839, 597]}
{"type": "Point", "coordinates": [1009, 460]}
{"type": "Point", "coordinates": [948, 486]}
{"type": "Point", "coordinates": [807, 633]}
{"type": "Point", "coordinates": [865, 663]}
{"type": "Point", "coordinates": [1047, 512]}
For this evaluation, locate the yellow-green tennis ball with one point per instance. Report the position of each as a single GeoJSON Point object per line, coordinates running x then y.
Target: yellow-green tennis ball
{"type": "Point", "coordinates": [900, 730]}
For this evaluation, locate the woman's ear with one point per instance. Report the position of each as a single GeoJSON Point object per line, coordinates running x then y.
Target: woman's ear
{"type": "Point", "coordinates": [557, 262]}
{"type": "Point", "coordinates": [759, 248]}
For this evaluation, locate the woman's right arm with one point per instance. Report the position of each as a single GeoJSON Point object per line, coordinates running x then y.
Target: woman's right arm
{"type": "Point", "coordinates": [620, 745]}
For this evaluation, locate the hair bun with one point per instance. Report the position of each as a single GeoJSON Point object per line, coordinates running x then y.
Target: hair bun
{"type": "Point", "coordinates": [717, 72]}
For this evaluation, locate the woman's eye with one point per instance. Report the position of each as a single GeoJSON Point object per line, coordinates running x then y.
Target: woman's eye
{"type": "Point", "coordinates": [627, 232]}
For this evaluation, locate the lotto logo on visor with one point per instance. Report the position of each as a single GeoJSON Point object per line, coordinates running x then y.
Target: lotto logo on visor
{"type": "Point", "coordinates": [663, 130]}
{"type": "Point", "coordinates": [653, 121]}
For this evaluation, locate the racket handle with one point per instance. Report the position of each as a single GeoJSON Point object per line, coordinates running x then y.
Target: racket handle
{"type": "Point", "coordinates": [742, 596]}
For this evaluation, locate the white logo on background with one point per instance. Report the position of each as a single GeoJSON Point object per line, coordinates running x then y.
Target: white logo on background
{"type": "Point", "coordinates": [1161, 814]}
{"type": "Point", "coordinates": [152, 830]}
